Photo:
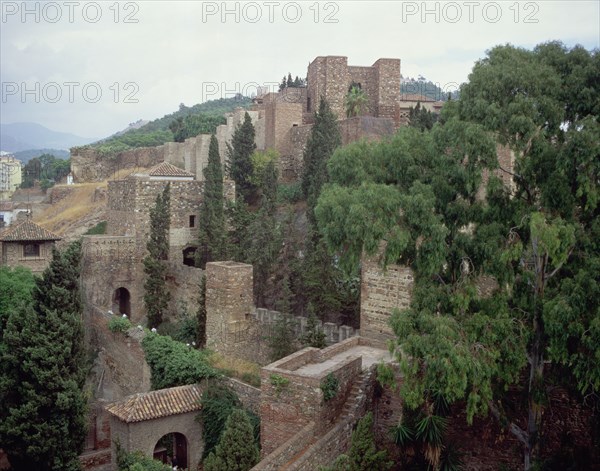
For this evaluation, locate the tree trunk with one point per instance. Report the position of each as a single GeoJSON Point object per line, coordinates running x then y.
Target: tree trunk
{"type": "Point", "coordinates": [536, 382]}
{"type": "Point", "coordinates": [536, 360]}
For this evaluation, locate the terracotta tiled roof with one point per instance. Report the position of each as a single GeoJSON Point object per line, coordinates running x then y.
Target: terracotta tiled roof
{"type": "Point", "coordinates": [414, 97]}
{"type": "Point", "coordinates": [155, 404]}
{"type": "Point", "coordinates": [165, 169]}
{"type": "Point", "coordinates": [6, 206]}
{"type": "Point", "coordinates": [27, 230]}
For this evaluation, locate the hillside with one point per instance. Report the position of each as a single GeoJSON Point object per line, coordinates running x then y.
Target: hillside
{"type": "Point", "coordinates": [194, 120]}
{"type": "Point", "coordinates": [82, 207]}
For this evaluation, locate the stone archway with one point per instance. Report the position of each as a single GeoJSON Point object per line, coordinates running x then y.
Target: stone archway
{"type": "Point", "coordinates": [189, 256]}
{"type": "Point", "coordinates": [139, 422]}
{"type": "Point", "coordinates": [172, 448]}
{"type": "Point", "coordinates": [121, 301]}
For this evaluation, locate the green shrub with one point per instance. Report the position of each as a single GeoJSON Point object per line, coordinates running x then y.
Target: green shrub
{"type": "Point", "coordinates": [98, 229]}
{"type": "Point", "coordinates": [173, 363]}
{"type": "Point", "coordinates": [119, 324]}
{"type": "Point", "coordinates": [330, 386]}
{"type": "Point", "coordinates": [278, 382]}
{"type": "Point", "coordinates": [137, 461]}
{"type": "Point", "coordinates": [289, 192]}
{"type": "Point", "coordinates": [236, 450]}
{"type": "Point", "coordinates": [251, 378]}
{"type": "Point", "coordinates": [218, 402]}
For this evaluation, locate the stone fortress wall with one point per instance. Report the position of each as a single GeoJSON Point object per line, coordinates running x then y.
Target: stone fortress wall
{"type": "Point", "coordinates": [277, 118]}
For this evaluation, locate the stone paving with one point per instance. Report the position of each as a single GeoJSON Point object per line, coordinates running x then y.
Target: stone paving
{"type": "Point", "coordinates": [370, 355]}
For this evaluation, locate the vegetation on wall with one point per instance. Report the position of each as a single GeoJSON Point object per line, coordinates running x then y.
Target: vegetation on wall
{"type": "Point", "coordinates": [356, 99]}
{"type": "Point", "coordinates": [173, 363]}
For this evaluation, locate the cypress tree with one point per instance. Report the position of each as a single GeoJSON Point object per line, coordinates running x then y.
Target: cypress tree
{"type": "Point", "coordinates": [42, 402]}
{"type": "Point", "coordinates": [240, 163]}
{"type": "Point", "coordinates": [323, 140]}
{"type": "Point", "coordinates": [363, 452]}
{"type": "Point", "coordinates": [265, 235]}
{"type": "Point", "coordinates": [212, 213]}
{"type": "Point", "coordinates": [156, 297]}
{"type": "Point", "coordinates": [201, 334]}
{"type": "Point", "coordinates": [236, 450]}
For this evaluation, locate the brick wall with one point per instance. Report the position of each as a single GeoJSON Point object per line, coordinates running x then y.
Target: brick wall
{"type": "Point", "coordinates": [287, 409]}
{"type": "Point", "coordinates": [381, 292]}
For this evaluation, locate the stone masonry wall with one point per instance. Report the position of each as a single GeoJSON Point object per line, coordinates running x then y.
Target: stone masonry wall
{"type": "Point", "coordinates": [381, 292]}
{"type": "Point", "coordinates": [388, 85]}
{"type": "Point", "coordinates": [13, 256]}
{"type": "Point", "coordinates": [287, 408]}
{"type": "Point", "coordinates": [110, 263]}
{"type": "Point", "coordinates": [328, 78]}
{"type": "Point", "coordinates": [129, 204]}
{"type": "Point", "coordinates": [366, 77]}
{"type": "Point", "coordinates": [89, 165]}
{"type": "Point", "coordinates": [333, 332]}
{"type": "Point", "coordinates": [365, 127]}
{"type": "Point", "coordinates": [230, 327]}
{"type": "Point", "coordinates": [143, 436]}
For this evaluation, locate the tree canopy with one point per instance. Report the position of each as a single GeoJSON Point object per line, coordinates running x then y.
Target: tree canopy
{"type": "Point", "coordinates": [42, 399]}
{"type": "Point", "coordinates": [422, 200]}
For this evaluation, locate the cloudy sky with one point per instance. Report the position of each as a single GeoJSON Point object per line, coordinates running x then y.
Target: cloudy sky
{"type": "Point", "coordinates": [91, 68]}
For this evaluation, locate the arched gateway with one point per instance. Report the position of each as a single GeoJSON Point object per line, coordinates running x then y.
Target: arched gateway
{"type": "Point", "coordinates": [160, 421]}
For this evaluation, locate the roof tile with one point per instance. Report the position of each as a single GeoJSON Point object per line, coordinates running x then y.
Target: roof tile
{"type": "Point", "coordinates": [27, 230]}
{"type": "Point", "coordinates": [155, 404]}
{"type": "Point", "coordinates": [165, 169]}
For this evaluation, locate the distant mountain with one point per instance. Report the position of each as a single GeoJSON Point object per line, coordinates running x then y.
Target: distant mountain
{"type": "Point", "coordinates": [17, 137]}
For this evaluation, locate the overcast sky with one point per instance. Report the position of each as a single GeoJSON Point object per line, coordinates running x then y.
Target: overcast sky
{"type": "Point", "coordinates": [91, 68]}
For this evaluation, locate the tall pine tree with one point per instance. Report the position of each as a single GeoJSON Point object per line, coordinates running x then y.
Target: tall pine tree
{"type": "Point", "coordinates": [240, 162]}
{"type": "Point", "coordinates": [212, 213]}
{"type": "Point", "coordinates": [156, 296]}
{"type": "Point", "coordinates": [42, 402]}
